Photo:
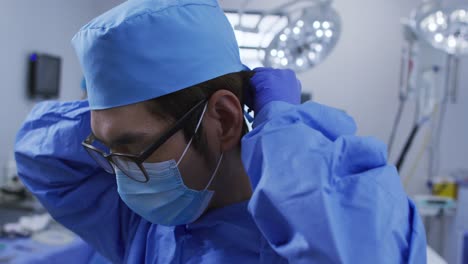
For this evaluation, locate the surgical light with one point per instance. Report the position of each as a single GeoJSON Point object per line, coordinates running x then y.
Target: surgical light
{"type": "Point", "coordinates": [296, 30]}
{"type": "Point", "coordinates": [312, 42]}
{"type": "Point", "coordinates": [283, 37]}
{"type": "Point", "coordinates": [444, 25]}
{"type": "Point", "coordinates": [300, 23]}
{"type": "Point", "coordinates": [299, 34]}
{"type": "Point", "coordinates": [316, 24]}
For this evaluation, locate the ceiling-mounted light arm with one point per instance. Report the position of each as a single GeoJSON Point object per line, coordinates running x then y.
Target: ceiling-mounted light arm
{"type": "Point", "coordinates": [252, 48]}
{"type": "Point", "coordinates": [452, 77]}
{"type": "Point", "coordinates": [240, 13]}
{"type": "Point", "coordinates": [278, 11]}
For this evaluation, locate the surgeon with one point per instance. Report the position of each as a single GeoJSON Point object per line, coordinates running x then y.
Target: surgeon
{"type": "Point", "coordinates": [158, 166]}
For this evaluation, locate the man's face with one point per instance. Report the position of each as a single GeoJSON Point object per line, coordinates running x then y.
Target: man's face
{"type": "Point", "coordinates": [131, 129]}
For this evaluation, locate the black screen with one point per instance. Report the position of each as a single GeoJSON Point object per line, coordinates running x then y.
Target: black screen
{"type": "Point", "coordinates": [44, 75]}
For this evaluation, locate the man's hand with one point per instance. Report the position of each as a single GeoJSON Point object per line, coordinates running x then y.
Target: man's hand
{"type": "Point", "coordinates": [270, 84]}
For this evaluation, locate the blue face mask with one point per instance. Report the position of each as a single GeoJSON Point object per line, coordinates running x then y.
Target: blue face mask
{"type": "Point", "coordinates": [165, 199]}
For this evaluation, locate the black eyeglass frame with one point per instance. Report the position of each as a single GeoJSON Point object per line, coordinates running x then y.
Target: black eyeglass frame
{"type": "Point", "coordinates": [138, 159]}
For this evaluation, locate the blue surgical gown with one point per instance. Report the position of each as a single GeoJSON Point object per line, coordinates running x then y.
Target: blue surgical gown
{"type": "Point", "coordinates": [321, 195]}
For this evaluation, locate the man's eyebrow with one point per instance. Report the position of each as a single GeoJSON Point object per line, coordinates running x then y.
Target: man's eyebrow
{"type": "Point", "coordinates": [124, 139]}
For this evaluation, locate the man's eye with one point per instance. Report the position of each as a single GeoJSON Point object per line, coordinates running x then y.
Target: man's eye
{"type": "Point", "coordinates": [122, 149]}
{"type": "Point", "coordinates": [133, 149]}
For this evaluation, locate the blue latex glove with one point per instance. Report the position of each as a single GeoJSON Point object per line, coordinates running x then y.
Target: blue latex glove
{"type": "Point", "coordinates": [269, 85]}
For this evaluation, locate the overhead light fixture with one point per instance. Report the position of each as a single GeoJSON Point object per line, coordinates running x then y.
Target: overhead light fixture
{"type": "Point", "coordinates": [299, 34]}
{"type": "Point", "coordinates": [444, 25]}
{"type": "Point", "coordinates": [307, 45]}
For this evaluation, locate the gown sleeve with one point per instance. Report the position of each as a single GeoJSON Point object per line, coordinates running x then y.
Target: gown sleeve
{"type": "Point", "coordinates": [323, 194]}
{"type": "Point", "coordinates": [68, 182]}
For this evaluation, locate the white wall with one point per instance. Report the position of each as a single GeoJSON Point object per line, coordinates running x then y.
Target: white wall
{"type": "Point", "coordinates": [104, 5]}
{"type": "Point", "coordinates": [43, 26]}
{"type": "Point", "coordinates": [360, 76]}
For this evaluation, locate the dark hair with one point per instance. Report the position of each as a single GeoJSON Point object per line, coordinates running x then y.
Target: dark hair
{"type": "Point", "coordinates": [173, 106]}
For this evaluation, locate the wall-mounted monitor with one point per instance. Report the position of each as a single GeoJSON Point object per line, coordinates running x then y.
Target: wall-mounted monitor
{"type": "Point", "coordinates": [44, 76]}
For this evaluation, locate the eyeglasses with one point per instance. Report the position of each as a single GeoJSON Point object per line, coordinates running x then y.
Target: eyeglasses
{"type": "Point", "coordinates": [131, 165]}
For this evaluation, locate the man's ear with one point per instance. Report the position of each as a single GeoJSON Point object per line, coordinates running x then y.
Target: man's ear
{"type": "Point", "coordinates": [226, 111]}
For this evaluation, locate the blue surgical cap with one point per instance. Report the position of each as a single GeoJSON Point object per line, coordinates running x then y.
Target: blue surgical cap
{"type": "Point", "coordinates": [144, 49]}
